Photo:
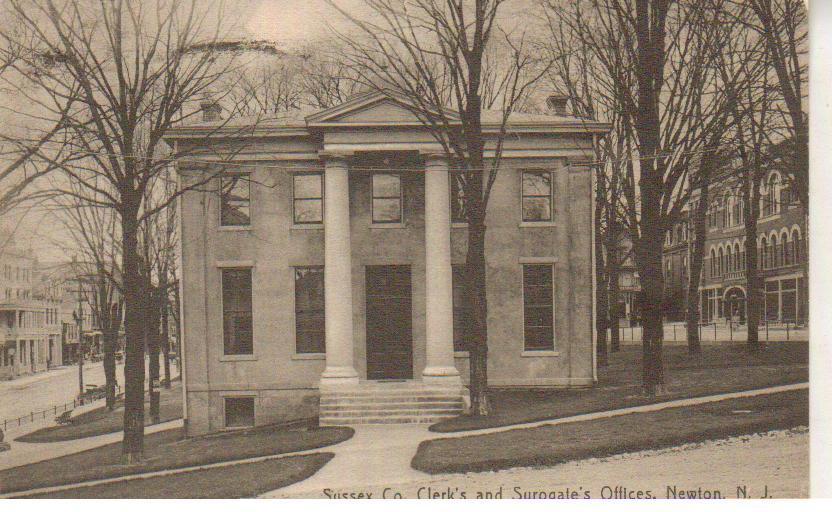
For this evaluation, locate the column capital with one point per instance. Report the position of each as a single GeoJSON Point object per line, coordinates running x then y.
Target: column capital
{"type": "Point", "coordinates": [334, 156]}
{"type": "Point", "coordinates": [435, 156]}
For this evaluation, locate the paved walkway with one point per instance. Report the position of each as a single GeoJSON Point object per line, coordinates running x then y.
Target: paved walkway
{"type": "Point", "coordinates": [381, 454]}
{"type": "Point", "coordinates": [375, 455]}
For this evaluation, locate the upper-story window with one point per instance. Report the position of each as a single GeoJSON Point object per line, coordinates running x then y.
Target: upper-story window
{"type": "Point", "coordinates": [387, 199]}
{"type": "Point", "coordinates": [308, 198]}
{"type": "Point", "coordinates": [235, 199]}
{"type": "Point", "coordinates": [458, 198]}
{"type": "Point", "coordinates": [770, 204]}
{"type": "Point", "coordinates": [537, 196]}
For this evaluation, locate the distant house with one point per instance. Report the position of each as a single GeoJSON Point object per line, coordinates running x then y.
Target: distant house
{"type": "Point", "coordinates": [322, 263]}
{"type": "Point", "coordinates": [30, 326]}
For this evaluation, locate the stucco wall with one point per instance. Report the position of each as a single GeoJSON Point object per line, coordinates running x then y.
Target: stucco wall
{"type": "Point", "coordinates": [285, 383]}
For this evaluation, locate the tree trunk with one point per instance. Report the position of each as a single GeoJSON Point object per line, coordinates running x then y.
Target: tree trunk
{"type": "Point", "coordinates": [135, 316]}
{"type": "Point", "coordinates": [697, 238]}
{"type": "Point", "coordinates": [166, 346]}
{"type": "Point", "coordinates": [477, 331]}
{"type": "Point", "coordinates": [601, 295]}
{"type": "Point", "coordinates": [109, 348]}
{"type": "Point", "coordinates": [614, 309]}
{"type": "Point", "coordinates": [154, 342]}
{"type": "Point", "coordinates": [753, 299]}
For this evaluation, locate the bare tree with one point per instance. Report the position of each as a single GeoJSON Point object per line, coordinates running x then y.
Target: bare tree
{"type": "Point", "coordinates": [450, 60]}
{"type": "Point", "coordinates": [139, 69]}
{"type": "Point", "coordinates": [656, 59]}
{"type": "Point", "coordinates": [96, 241]}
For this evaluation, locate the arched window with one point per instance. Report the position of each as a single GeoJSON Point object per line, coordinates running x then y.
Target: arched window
{"type": "Point", "coordinates": [720, 262]}
{"type": "Point", "coordinates": [797, 248]}
{"type": "Point", "coordinates": [738, 263]}
{"type": "Point", "coordinates": [713, 262]}
{"type": "Point", "coordinates": [728, 204]}
{"type": "Point", "coordinates": [764, 253]}
{"type": "Point", "coordinates": [786, 247]}
{"type": "Point", "coordinates": [729, 257]}
{"type": "Point", "coordinates": [770, 198]}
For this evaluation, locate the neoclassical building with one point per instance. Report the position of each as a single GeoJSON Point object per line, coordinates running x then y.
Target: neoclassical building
{"type": "Point", "coordinates": [321, 255]}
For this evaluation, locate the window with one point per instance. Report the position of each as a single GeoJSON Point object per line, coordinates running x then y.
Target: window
{"type": "Point", "coordinates": [309, 310]}
{"type": "Point", "coordinates": [236, 311]}
{"type": "Point", "coordinates": [457, 198]}
{"type": "Point", "coordinates": [387, 198]}
{"type": "Point", "coordinates": [461, 309]}
{"type": "Point", "coordinates": [537, 196]}
{"type": "Point", "coordinates": [235, 194]}
{"type": "Point", "coordinates": [308, 205]}
{"type": "Point", "coordinates": [239, 411]}
{"type": "Point", "coordinates": [538, 309]}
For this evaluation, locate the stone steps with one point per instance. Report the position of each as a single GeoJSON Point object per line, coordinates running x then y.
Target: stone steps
{"type": "Point", "coordinates": [389, 403]}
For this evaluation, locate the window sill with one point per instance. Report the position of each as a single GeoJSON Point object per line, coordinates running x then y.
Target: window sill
{"type": "Point", "coordinates": [238, 357]}
{"type": "Point", "coordinates": [542, 224]}
{"type": "Point", "coordinates": [461, 354]}
{"type": "Point", "coordinates": [540, 353]}
{"type": "Point", "coordinates": [302, 227]}
{"type": "Point", "coordinates": [306, 357]}
{"type": "Point", "coordinates": [234, 228]}
{"type": "Point", "coordinates": [773, 216]}
{"type": "Point", "coordinates": [391, 225]}
{"type": "Point", "coordinates": [459, 225]}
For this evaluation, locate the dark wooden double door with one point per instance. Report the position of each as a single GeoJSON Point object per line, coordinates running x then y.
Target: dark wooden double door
{"type": "Point", "coordinates": [389, 322]}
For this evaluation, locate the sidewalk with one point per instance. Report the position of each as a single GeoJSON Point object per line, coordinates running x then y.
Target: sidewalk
{"type": "Point", "coordinates": [29, 453]}
{"type": "Point", "coordinates": [375, 455]}
{"type": "Point", "coordinates": [382, 454]}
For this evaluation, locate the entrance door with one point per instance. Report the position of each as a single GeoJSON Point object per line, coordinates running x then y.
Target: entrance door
{"type": "Point", "coordinates": [389, 323]}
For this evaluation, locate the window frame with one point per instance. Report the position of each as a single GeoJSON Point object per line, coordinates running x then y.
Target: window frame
{"type": "Point", "coordinates": [550, 196]}
{"type": "Point", "coordinates": [222, 224]}
{"type": "Point", "coordinates": [552, 349]}
{"type": "Point", "coordinates": [295, 199]}
{"type": "Point", "coordinates": [295, 270]}
{"type": "Point", "coordinates": [373, 198]}
{"type": "Point", "coordinates": [236, 355]}
{"type": "Point", "coordinates": [225, 399]}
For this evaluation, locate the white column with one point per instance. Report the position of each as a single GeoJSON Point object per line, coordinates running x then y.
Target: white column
{"type": "Point", "coordinates": [439, 348]}
{"type": "Point", "coordinates": [337, 275]}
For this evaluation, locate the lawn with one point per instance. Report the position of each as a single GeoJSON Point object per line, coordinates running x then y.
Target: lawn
{"type": "Point", "coordinates": [246, 480]}
{"type": "Point", "coordinates": [169, 449]}
{"type": "Point", "coordinates": [102, 421]}
{"type": "Point", "coordinates": [718, 369]}
{"type": "Point", "coordinates": [554, 444]}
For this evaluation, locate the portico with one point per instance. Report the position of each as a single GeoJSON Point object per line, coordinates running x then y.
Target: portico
{"type": "Point", "coordinates": [340, 351]}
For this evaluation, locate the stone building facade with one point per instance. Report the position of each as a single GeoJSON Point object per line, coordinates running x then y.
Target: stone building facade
{"type": "Point", "coordinates": [320, 265]}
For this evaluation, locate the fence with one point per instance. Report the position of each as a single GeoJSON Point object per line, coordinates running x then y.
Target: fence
{"type": "Point", "coordinates": [720, 333]}
{"type": "Point", "coordinates": [50, 412]}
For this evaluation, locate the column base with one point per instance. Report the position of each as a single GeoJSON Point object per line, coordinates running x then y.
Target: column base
{"type": "Point", "coordinates": [442, 376]}
{"type": "Point", "coordinates": [338, 376]}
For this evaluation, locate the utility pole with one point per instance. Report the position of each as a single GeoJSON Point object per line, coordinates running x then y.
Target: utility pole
{"type": "Point", "coordinates": [80, 320]}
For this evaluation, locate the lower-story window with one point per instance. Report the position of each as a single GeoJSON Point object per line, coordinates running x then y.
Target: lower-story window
{"type": "Point", "coordinates": [538, 307]}
{"type": "Point", "coordinates": [309, 310]}
{"type": "Point", "coordinates": [236, 311]}
{"type": "Point", "coordinates": [239, 411]}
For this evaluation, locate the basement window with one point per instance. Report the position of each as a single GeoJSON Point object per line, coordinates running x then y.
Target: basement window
{"type": "Point", "coordinates": [239, 411]}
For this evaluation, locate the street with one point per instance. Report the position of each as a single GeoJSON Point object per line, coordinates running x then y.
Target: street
{"type": "Point", "coordinates": [37, 392]}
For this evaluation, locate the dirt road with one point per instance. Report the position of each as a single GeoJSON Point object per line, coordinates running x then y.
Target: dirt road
{"type": "Point", "coordinates": [774, 464]}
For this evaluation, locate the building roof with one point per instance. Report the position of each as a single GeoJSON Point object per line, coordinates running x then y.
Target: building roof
{"type": "Point", "coordinates": [353, 113]}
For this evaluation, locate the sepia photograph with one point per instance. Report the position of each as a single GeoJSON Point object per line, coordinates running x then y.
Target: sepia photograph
{"type": "Point", "coordinates": [408, 249]}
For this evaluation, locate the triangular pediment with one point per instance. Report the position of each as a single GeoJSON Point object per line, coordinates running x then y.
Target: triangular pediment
{"type": "Point", "coordinates": [374, 108]}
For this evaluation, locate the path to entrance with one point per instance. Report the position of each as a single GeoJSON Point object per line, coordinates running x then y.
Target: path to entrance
{"type": "Point", "coordinates": [381, 454]}
{"type": "Point", "coordinates": [376, 455]}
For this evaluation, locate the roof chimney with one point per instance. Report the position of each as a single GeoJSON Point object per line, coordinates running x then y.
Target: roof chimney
{"type": "Point", "coordinates": [211, 111]}
{"type": "Point", "coordinates": [556, 103]}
